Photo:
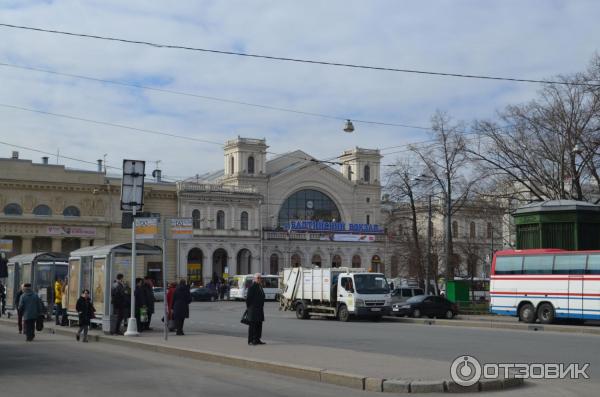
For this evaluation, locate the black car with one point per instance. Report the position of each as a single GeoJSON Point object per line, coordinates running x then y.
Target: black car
{"type": "Point", "coordinates": [204, 294]}
{"type": "Point", "coordinates": [426, 305]}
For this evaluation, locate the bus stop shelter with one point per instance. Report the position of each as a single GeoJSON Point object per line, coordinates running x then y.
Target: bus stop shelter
{"type": "Point", "coordinates": [40, 269]}
{"type": "Point", "coordinates": [95, 269]}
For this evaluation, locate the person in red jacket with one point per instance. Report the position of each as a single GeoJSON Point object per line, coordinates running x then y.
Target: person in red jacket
{"type": "Point", "coordinates": [169, 302]}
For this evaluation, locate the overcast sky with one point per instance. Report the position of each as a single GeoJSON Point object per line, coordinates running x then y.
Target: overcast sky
{"type": "Point", "coordinates": [526, 39]}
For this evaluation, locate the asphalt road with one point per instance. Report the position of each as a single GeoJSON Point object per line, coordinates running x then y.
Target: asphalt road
{"type": "Point", "coordinates": [432, 342]}
{"type": "Point", "coordinates": [57, 366]}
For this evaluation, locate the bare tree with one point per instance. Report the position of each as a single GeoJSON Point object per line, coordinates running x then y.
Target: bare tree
{"type": "Point", "coordinates": [549, 146]}
{"type": "Point", "coordinates": [402, 189]}
{"type": "Point", "coordinates": [446, 162]}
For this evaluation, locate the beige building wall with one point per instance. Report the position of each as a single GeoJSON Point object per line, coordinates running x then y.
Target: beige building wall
{"type": "Point", "coordinates": [32, 186]}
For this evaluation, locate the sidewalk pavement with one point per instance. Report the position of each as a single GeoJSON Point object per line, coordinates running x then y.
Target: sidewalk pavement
{"type": "Point", "coordinates": [344, 367]}
{"type": "Point", "coordinates": [343, 360]}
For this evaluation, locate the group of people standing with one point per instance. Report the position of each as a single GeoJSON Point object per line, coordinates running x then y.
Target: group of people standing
{"type": "Point", "coordinates": [121, 303]}
{"type": "Point", "coordinates": [177, 297]}
{"type": "Point", "coordinates": [30, 307]}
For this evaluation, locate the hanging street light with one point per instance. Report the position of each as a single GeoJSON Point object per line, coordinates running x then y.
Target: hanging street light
{"type": "Point", "coordinates": [349, 127]}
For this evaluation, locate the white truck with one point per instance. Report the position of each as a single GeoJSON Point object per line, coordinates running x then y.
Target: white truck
{"type": "Point", "coordinates": [340, 293]}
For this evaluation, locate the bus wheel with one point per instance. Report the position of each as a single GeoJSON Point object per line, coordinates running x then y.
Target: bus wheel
{"type": "Point", "coordinates": [527, 313]}
{"type": "Point", "coordinates": [301, 313]}
{"type": "Point", "coordinates": [343, 314]}
{"type": "Point", "coordinates": [546, 313]}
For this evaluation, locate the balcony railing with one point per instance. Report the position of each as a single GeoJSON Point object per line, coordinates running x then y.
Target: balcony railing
{"type": "Point", "coordinates": [217, 188]}
{"type": "Point", "coordinates": [251, 141]}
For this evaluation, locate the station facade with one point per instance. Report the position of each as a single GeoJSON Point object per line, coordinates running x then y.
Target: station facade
{"type": "Point", "coordinates": [255, 215]}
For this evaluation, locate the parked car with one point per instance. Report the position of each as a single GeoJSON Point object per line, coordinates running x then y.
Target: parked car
{"type": "Point", "coordinates": [159, 294]}
{"type": "Point", "coordinates": [402, 294]}
{"type": "Point", "coordinates": [426, 305]}
{"type": "Point", "coordinates": [204, 294]}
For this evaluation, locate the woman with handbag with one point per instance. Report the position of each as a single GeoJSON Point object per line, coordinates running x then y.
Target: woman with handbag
{"type": "Point", "coordinates": [86, 311]}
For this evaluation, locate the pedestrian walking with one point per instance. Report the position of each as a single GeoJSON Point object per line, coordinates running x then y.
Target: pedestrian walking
{"type": "Point", "coordinates": [181, 305]}
{"type": "Point", "coordinates": [19, 311]}
{"type": "Point", "coordinates": [31, 306]}
{"type": "Point", "coordinates": [58, 290]}
{"type": "Point", "coordinates": [149, 296]}
{"type": "Point", "coordinates": [255, 302]}
{"type": "Point", "coordinates": [85, 311]}
{"type": "Point", "coordinates": [119, 303]}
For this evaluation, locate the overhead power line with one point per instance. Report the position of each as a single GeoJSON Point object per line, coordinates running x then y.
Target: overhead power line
{"type": "Point", "coordinates": [297, 60]}
{"type": "Point", "coordinates": [211, 98]}
{"type": "Point", "coordinates": [154, 132]}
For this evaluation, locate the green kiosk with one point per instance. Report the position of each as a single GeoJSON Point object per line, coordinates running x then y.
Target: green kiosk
{"type": "Point", "coordinates": [565, 224]}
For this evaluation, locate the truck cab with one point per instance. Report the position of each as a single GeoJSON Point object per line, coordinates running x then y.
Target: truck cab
{"type": "Point", "coordinates": [362, 295]}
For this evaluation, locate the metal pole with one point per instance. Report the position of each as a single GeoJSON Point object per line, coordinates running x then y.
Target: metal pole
{"type": "Point", "coordinates": [164, 258]}
{"type": "Point", "coordinates": [260, 227]}
{"type": "Point", "coordinates": [449, 272]}
{"type": "Point", "coordinates": [429, 236]}
{"type": "Point", "coordinates": [132, 324]}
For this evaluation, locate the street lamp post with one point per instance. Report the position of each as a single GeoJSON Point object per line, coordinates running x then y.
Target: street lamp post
{"type": "Point", "coordinates": [429, 237]}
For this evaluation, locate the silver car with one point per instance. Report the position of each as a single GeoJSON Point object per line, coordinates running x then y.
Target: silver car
{"type": "Point", "coordinates": [402, 294]}
{"type": "Point", "coordinates": [159, 294]}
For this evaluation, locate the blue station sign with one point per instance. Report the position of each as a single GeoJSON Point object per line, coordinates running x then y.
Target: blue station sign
{"type": "Point", "coordinates": [322, 226]}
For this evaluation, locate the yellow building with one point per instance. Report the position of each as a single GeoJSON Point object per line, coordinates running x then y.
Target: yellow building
{"type": "Point", "coordinates": [45, 207]}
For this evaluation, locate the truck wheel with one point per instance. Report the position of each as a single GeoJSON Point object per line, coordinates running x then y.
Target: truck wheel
{"type": "Point", "coordinates": [527, 313]}
{"type": "Point", "coordinates": [546, 313]}
{"type": "Point", "coordinates": [343, 314]}
{"type": "Point", "coordinates": [301, 313]}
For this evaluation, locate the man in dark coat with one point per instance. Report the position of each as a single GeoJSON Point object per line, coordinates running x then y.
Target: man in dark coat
{"type": "Point", "coordinates": [181, 305]}
{"type": "Point", "coordinates": [119, 302]}
{"type": "Point", "coordinates": [32, 307]}
{"type": "Point", "coordinates": [255, 302]}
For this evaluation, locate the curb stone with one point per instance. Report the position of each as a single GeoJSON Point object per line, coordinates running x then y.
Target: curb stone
{"type": "Point", "coordinates": [297, 371]}
{"type": "Point", "coordinates": [396, 386]}
{"type": "Point", "coordinates": [491, 384]}
{"type": "Point", "coordinates": [453, 387]}
{"type": "Point", "coordinates": [343, 379]}
{"type": "Point", "coordinates": [374, 384]}
{"type": "Point", "coordinates": [427, 386]}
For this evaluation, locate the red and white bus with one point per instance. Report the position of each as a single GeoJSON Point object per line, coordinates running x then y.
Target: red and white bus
{"type": "Point", "coordinates": [546, 284]}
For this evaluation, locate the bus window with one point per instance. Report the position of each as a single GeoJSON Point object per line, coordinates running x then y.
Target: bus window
{"type": "Point", "coordinates": [569, 264]}
{"type": "Point", "coordinates": [270, 282]}
{"type": "Point", "coordinates": [541, 264]}
{"type": "Point", "coordinates": [593, 266]}
{"type": "Point", "coordinates": [509, 265]}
